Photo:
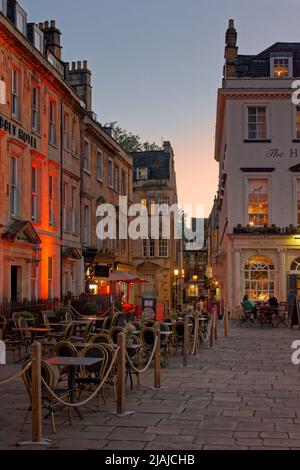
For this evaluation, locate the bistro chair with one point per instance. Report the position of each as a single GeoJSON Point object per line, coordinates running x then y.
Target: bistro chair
{"type": "Point", "coordinates": [86, 333]}
{"type": "Point", "coordinates": [244, 316]}
{"type": "Point", "coordinates": [178, 336]}
{"type": "Point", "coordinates": [114, 333]}
{"type": "Point", "coordinates": [281, 315]}
{"type": "Point", "coordinates": [93, 375]}
{"type": "Point", "coordinates": [136, 354]}
{"type": "Point", "coordinates": [12, 343]}
{"type": "Point", "coordinates": [147, 337]}
{"type": "Point", "coordinates": [107, 323]}
{"type": "Point", "coordinates": [3, 325]}
{"type": "Point", "coordinates": [68, 316]}
{"type": "Point", "coordinates": [64, 349]}
{"type": "Point", "coordinates": [112, 378]}
{"type": "Point", "coordinates": [48, 401]}
{"type": "Point", "coordinates": [101, 338]}
{"type": "Point", "coordinates": [25, 335]}
{"type": "Point", "coordinates": [150, 323]}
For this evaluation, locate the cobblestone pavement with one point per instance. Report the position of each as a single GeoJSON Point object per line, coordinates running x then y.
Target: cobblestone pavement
{"type": "Point", "coordinates": [242, 394]}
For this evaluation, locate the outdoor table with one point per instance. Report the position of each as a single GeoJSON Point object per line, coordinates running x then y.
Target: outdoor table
{"type": "Point", "coordinates": [72, 363]}
{"type": "Point", "coordinates": [32, 331]}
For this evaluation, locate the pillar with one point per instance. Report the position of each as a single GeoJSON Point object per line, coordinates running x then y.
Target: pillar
{"type": "Point", "coordinates": [282, 280]}
{"type": "Point", "coordinates": [237, 277]}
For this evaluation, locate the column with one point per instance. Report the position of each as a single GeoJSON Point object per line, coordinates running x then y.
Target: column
{"type": "Point", "coordinates": [237, 277]}
{"type": "Point", "coordinates": [282, 280]}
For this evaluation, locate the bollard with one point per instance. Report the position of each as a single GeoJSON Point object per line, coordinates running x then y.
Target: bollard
{"type": "Point", "coordinates": [215, 323]}
{"type": "Point", "coordinates": [211, 332]}
{"type": "Point", "coordinates": [196, 330]}
{"type": "Point", "coordinates": [186, 340]}
{"type": "Point", "coordinates": [121, 377]}
{"type": "Point", "coordinates": [157, 363]}
{"type": "Point", "coordinates": [36, 393]}
{"type": "Point", "coordinates": [225, 321]}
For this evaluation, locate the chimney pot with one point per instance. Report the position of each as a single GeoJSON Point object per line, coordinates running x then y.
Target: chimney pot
{"type": "Point", "coordinates": [46, 25]}
{"type": "Point", "coordinates": [73, 65]}
{"type": "Point", "coordinates": [85, 66]}
{"type": "Point", "coordinates": [231, 24]}
{"type": "Point", "coordinates": [52, 24]}
{"type": "Point", "coordinates": [41, 26]}
{"type": "Point", "coordinates": [78, 64]}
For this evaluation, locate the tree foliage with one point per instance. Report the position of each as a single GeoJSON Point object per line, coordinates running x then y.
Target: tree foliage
{"type": "Point", "coordinates": [129, 141]}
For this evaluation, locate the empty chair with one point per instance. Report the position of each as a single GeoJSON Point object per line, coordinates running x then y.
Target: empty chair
{"type": "Point", "coordinates": [178, 337]}
{"type": "Point", "coordinates": [25, 335]}
{"type": "Point", "coordinates": [48, 401]}
{"type": "Point", "coordinates": [147, 337]}
{"type": "Point", "coordinates": [101, 338]}
{"type": "Point", "coordinates": [114, 333]}
{"type": "Point", "coordinates": [64, 349]}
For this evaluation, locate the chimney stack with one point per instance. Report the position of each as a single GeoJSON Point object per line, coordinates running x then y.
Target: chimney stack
{"type": "Point", "coordinates": [52, 38]}
{"type": "Point", "coordinates": [231, 51]}
{"type": "Point", "coordinates": [79, 77]}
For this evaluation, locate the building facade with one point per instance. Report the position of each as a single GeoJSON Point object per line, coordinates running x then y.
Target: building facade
{"type": "Point", "coordinates": [157, 260]}
{"type": "Point", "coordinates": [56, 163]}
{"type": "Point", "coordinates": [255, 236]}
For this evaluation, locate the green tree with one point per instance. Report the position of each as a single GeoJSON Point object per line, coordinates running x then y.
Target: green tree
{"type": "Point", "coordinates": [128, 140]}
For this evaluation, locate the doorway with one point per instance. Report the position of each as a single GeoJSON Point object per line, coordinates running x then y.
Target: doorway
{"type": "Point", "coordinates": [15, 283]}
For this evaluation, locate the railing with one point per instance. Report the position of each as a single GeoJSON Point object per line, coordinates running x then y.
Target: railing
{"type": "Point", "coordinates": [266, 230]}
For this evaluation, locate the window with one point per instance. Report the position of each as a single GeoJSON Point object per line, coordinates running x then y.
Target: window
{"type": "Point", "coordinates": [3, 6]}
{"type": "Point", "coordinates": [110, 173]}
{"type": "Point", "coordinates": [144, 248]}
{"type": "Point", "coordinates": [259, 278]}
{"type": "Point", "coordinates": [13, 186]}
{"type": "Point", "coordinates": [258, 201]}
{"type": "Point", "coordinates": [73, 279]}
{"type": "Point", "coordinates": [64, 206]}
{"type": "Point", "coordinates": [35, 108]}
{"type": "Point", "coordinates": [116, 178]}
{"type": "Point", "coordinates": [74, 214]}
{"type": "Point", "coordinates": [50, 277]}
{"type": "Point", "coordinates": [51, 200]}
{"type": "Point", "coordinates": [52, 122]}
{"type": "Point", "coordinates": [143, 202]}
{"type": "Point", "coordinates": [21, 20]}
{"type": "Point", "coordinates": [66, 131]}
{"type": "Point", "coordinates": [142, 173]}
{"type": "Point", "coordinates": [163, 247]}
{"type": "Point", "coordinates": [149, 286]}
{"type": "Point", "coordinates": [86, 225]}
{"type": "Point", "coordinates": [281, 67]}
{"type": "Point", "coordinates": [99, 171]}
{"type": "Point", "coordinates": [257, 123]}
{"type": "Point", "coordinates": [34, 193]}
{"type": "Point", "coordinates": [16, 93]}
{"type": "Point", "coordinates": [74, 137]}
{"type": "Point", "coordinates": [151, 205]}
{"type": "Point", "coordinates": [87, 156]}
{"type": "Point", "coordinates": [34, 281]}
{"type": "Point", "coordinates": [123, 184]}
{"type": "Point", "coordinates": [152, 248]}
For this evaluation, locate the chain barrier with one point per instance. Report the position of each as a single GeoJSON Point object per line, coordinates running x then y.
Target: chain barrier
{"type": "Point", "coordinates": [16, 376]}
{"type": "Point", "coordinates": [141, 371]}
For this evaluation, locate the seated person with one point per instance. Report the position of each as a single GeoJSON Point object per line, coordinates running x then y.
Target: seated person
{"type": "Point", "coordinates": [273, 302]}
{"type": "Point", "coordinates": [248, 306]}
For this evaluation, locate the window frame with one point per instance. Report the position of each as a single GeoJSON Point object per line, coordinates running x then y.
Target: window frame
{"type": "Point", "coordinates": [34, 194]}
{"type": "Point", "coordinates": [13, 186]}
{"type": "Point", "coordinates": [116, 178]}
{"type": "Point", "coordinates": [51, 199]}
{"type": "Point", "coordinates": [110, 174]}
{"type": "Point", "coordinates": [66, 130]}
{"type": "Point", "coordinates": [138, 173]}
{"type": "Point", "coordinates": [246, 199]}
{"type": "Point", "coordinates": [15, 93]}
{"type": "Point", "coordinates": [87, 156]}
{"type": "Point", "coordinates": [162, 247]}
{"type": "Point", "coordinates": [99, 168]}
{"type": "Point", "coordinates": [20, 13]}
{"type": "Point", "coordinates": [86, 225]}
{"type": "Point", "coordinates": [246, 122]}
{"type": "Point", "coordinates": [52, 122]}
{"type": "Point", "coordinates": [35, 108]}
{"type": "Point", "coordinates": [290, 66]}
{"type": "Point", "coordinates": [3, 7]}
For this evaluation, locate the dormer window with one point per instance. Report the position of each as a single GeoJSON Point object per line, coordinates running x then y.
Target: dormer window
{"type": "Point", "coordinates": [3, 7]}
{"type": "Point", "coordinates": [21, 19]}
{"type": "Point", "coordinates": [281, 67]}
{"type": "Point", "coordinates": [142, 173]}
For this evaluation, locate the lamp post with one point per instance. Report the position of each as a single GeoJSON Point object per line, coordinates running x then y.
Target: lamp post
{"type": "Point", "coordinates": [195, 279]}
{"type": "Point", "coordinates": [176, 272]}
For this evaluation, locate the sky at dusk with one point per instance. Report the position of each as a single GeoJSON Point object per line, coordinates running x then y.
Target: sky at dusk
{"type": "Point", "coordinates": [157, 65]}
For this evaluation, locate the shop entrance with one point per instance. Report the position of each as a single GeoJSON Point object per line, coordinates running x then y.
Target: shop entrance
{"type": "Point", "coordinates": [15, 283]}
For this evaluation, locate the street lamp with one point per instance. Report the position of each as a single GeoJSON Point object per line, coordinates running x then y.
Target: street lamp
{"type": "Point", "coordinates": [195, 279]}
{"type": "Point", "coordinates": [176, 273]}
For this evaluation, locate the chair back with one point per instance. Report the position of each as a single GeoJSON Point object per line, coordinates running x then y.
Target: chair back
{"type": "Point", "coordinates": [68, 316]}
{"type": "Point", "coordinates": [65, 349]}
{"type": "Point", "coordinates": [46, 321]}
{"type": "Point", "coordinates": [87, 331]}
{"type": "Point", "coordinates": [147, 337]}
{"type": "Point", "coordinates": [101, 338]}
{"type": "Point", "coordinates": [97, 351]}
{"type": "Point", "coordinates": [168, 320]}
{"type": "Point", "coordinates": [22, 324]}
{"type": "Point", "coordinates": [114, 333]}
{"type": "Point", "coordinates": [107, 323]}
{"type": "Point", "coordinates": [68, 331]}
{"type": "Point", "coordinates": [15, 317]}
{"type": "Point", "coordinates": [121, 319]}
{"type": "Point", "coordinates": [47, 374]}
{"type": "Point", "coordinates": [178, 329]}
{"type": "Point", "coordinates": [149, 323]}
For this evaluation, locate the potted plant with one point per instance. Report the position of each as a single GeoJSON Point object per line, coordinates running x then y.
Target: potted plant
{"type": "Point", "coordinates": [28, 317]}
{"type": "Point", "coordinates": [61, 312]}
{"type": "Point", "coordinates": [90, 308]}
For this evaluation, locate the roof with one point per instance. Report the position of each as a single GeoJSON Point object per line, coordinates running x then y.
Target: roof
{"type": "Point", "coordinates": [157, 162]}
{"type": "Point", "coordinates": [256, 66]}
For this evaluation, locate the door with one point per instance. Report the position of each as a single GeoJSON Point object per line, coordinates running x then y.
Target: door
{"type": "Point", "coordinates": [293, 288]}
{"type": "Point", "coordinates": [14, 283]}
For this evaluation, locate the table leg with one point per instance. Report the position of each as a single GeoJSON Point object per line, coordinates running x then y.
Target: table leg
{"type": "Point", "coordinates": [71, 384]}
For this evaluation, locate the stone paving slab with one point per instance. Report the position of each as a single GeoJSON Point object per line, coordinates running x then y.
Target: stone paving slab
{"type": "Point", "coordinates": [242, 394]}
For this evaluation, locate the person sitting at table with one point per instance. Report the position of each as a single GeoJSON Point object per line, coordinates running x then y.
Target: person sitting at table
{"type": "Point", "coordinates": [273, 302]}
{"type": "Point", "coordinates": [248, 306]}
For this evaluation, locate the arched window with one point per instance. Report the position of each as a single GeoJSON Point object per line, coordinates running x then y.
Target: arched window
{"type": "Point", "coordinates": [295, 266]}
{"type": "Point", "coordinates": [259, 278]}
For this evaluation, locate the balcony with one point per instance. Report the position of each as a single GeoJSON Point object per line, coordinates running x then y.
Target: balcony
{"type": "Point", "coordinates": [266, 230]}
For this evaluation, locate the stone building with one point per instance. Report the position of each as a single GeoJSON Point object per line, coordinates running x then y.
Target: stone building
{"type": "Point", "coordinates": [154, 182]}
{"type": "Point", "coordinates": [258, 150]}
{"type": "Point", "coordinates": [56, 163]}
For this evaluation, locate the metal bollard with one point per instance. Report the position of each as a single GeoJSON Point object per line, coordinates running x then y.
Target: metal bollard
{"type": "Point", "coordinates": [121, 374]}
{"type": "Point", "coordinates": [36, 392]}
{"type": "Point", "coordinates": [186, 341]}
